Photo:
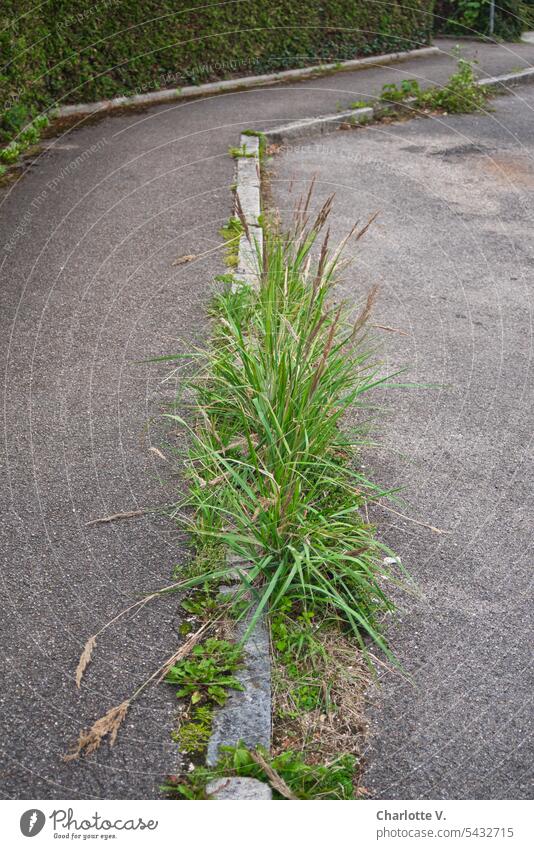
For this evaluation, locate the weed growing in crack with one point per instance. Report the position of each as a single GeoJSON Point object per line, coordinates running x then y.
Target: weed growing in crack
{"type": "Point", "coordinates": [193, 736]}
{"type": "Point", "coordinates": [208, 674]}
{"type": "Point", "coordinates": [240, 152]}
{"type": "Point", "coordinates": [460, 94]}
{"type": "Point", "coordinates": [274, 477]}
{"type": "Point", "coordinates": [231, 233]}
{"type": "Point", "coordinates": [288, 774]}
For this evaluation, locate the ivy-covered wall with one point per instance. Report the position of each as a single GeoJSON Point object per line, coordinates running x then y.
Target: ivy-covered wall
{"type": "Point", "coordinates": [69, 51]}
{"type": "Point", "coordinates": [472, 17]}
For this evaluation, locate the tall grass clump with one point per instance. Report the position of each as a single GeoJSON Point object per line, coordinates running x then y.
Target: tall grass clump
{"type": "Point", "coordinates": [274, 474]}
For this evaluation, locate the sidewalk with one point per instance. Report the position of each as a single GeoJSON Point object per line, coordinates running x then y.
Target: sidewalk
{"type": "Point", "coordinates": [88, 290]}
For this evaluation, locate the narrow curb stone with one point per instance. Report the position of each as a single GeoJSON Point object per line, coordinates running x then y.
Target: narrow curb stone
{"type": "Point", "coordinates": [238, 789]}
{"type": "Point", "coordinates": [516, 77]}
{"type": "Point", "coordinates": [248, 191]}
{"type": "Point", "coordinates": [319, 125]}
{"type": "Point", "coordinates": [246, 715]}
{"type": "Point", "coordinates": [169, 94]}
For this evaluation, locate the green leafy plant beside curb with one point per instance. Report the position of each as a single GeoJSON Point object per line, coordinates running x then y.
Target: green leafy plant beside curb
{"type": "Point", "coordinates": [27, 137]}
{"type": "Point", "coordinates": [193, 736]}
{"type": "Point", "coordinates": [203, 680]}
{"type": "Point", "coordinates": [460, 94]}
{"type": "Point", "coordinates": [240, 152]}
{"type": "Point", "coordinates": [231, 232]}
{"type": "Point", "coordinates": [208, 674]}
{"type": "Point", "coordinates": [305, 780]}
{"type": "Point", "coordinates": [11, 153]}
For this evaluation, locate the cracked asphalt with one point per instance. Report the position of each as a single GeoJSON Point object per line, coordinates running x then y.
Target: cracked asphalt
{"type": "Point", "coordinates": [89, 292]}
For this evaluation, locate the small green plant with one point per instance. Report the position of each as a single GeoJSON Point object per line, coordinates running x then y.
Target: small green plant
{"type": "Point", "coordinates": [193, 736]}
{"type": "Point", "coordinates": [41, 122]}
{"type": "Point", "coordinates": [26, 137]}
{"type": "Point", "coordinates": [30, 135]}
{"type": "Point", "coordinates": [393, 93]}
{"type": "Point", "coordinates": [3, 170]}
{"type": "Point", "coordinates": [262, 142]}
{"type": "Point", "coordinates": [10, 153]}
{"type": "Point", "coordinates": [208, 674]}
{"type": "Point", "coordinates": [240, 152]}
{"type": "Point", "coordinates": [460, 94]}
{"type": "Point", "coordinates": [358, 104]}
{"type": "Point", "coordinates": [231, 234]}
{"type": "Point", "coordinates": [205, 604]}
{"type": "Point", "coordinates": [293, 636]}
{"type": "Point", "coordinates": [333, 780]}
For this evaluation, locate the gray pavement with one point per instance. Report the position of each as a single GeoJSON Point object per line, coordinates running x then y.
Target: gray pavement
{"type": "Point", "coordinates": [452, 251]}
{"type": "Point", "coordinates": [88, 290]}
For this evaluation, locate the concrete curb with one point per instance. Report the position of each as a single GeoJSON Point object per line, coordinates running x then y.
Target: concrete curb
{"type": "Point", "coordinates": [508, 79]}
{"type": "Point", "coordinates": [327, 123]}
{"type": "Point", "coordinates": [246, 715]}
{"type": "Point", "coordinates": [248, 191]}
{"type": "Point", "coordinates": [206, 89]}
{"type": "Point", "coordinates": [319, 125]}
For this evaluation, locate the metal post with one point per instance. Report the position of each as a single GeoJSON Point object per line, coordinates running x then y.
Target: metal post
{"type": "Point", "coordinates": [492, 17]}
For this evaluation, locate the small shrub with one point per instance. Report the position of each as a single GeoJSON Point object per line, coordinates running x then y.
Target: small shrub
{"type": "Point", "coordinates": [10, 153]}
{"type": "Point", "coordinates": [460, 94]}
{"type": "Point", "coordinates": [29, 136]}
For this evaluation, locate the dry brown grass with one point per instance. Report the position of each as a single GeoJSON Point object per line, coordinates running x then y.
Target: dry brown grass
{"type": "Point", "coordinates": [338, 725]}
{"type": "Point", "coordinates": [107, 725]}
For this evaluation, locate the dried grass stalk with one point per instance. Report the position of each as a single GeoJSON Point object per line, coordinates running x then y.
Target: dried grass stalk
{"type": "Point", "coordinates": [184, 650]}
{"type": "Point", "coordinates": [107, 725]}
{"type": "Point", "coordinates": [275, 780]}
{"type": "Point", "coordinates": [128, 514]}
{"type": "Point", "coordinates": [366, 311]}
{"type": "Point", "coordinates": [85, 659]}
{"type": "Point", "coordinates": [243, 220]}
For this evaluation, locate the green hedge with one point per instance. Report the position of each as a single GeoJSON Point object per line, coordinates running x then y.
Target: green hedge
{"type": "Point", "coordinates": [471, 17]}
{"type": "Point", "coordinates": [70, 51]}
